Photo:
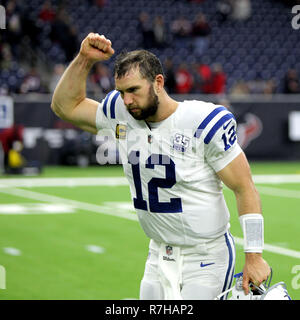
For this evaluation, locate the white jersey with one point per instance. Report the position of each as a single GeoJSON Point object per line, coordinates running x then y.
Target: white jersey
{"type": "Point", "coordinates": [171, 167]}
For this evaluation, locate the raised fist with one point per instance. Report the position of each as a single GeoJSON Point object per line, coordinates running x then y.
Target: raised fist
{"type": "Point", "coordinates": [96, 47]}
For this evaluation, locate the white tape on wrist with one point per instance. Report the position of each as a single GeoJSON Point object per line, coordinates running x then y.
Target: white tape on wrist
{"type": "Point", "coordinates": [253, 229]}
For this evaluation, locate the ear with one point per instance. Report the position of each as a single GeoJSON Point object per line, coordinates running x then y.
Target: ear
{"type": "Point", "coordinates": [159, 83]}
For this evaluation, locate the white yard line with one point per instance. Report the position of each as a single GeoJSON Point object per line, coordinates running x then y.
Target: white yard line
{"type": "Point", "coordinates": [63, 182]}
{"type": "Point", "coordinates": [80, 205]}
{"type": "Point", "coordinates": [277, 192]}
{"type": "Point", "coordinates": [274, 249]}
{"type": "Point", "coordinates": [119, 213]}
{"type": "Point", "coordinates": [276, 178]}
{"type": "Point", "coordinates": [121, 181]}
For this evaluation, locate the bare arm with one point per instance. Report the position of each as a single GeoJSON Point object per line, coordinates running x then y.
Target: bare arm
{"type": "Point", "coordinates": [237, 177]}
{"type": "Point", "coordinates": [69, 100]}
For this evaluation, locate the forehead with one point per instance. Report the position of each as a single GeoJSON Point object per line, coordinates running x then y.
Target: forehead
{"type": "Point", "coordinates": [131, 78]}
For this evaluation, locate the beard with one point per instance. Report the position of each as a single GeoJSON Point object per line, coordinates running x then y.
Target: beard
{"type": "Point", "coordinates": [150, 109]}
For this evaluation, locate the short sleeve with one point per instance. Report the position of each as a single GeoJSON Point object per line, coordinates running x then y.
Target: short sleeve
{"type": "Point", "coordinates": [101, 120]}
{"type": "Point", "coordinates": [106, 111]}
{"type": "Point", "coordinates": [220, 143]}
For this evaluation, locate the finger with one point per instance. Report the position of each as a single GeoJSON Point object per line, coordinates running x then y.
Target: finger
{"type": "Point", "coordinates": [246, 284]}
{"type": "Point", "coordinates": [110, 50]}
{"type": "Point", "coordinates": [105, 46]}
{"type": "Point", "coordinates": [101, 43]}
{"type": "Point", "coordinates": [93, 38]}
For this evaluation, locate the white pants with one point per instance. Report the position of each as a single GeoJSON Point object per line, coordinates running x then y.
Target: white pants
{"type": "Point", "coordinates": [190, 273]}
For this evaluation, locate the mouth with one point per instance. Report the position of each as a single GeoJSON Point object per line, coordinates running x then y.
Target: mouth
{"type": "Point", "coordinates": [134, 109]}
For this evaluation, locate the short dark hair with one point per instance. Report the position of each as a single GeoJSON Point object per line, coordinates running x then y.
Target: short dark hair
{"type": "Point", "coordinates": [148, 63]}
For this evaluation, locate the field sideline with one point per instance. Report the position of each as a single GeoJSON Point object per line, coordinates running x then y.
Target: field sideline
{"type": "Point", "coordinates": [71, 233]}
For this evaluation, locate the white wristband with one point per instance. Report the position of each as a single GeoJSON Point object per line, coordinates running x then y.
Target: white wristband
{"type": "Point", "coordinates": [253, 229]}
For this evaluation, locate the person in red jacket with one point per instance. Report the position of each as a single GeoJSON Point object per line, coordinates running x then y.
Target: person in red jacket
{"type": "Point", "coordinates": [218, 83]}
{"type": "Point", "coordinates": [184, 79]}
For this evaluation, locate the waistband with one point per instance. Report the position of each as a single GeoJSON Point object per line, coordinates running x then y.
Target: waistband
{"type": "Point", "coordinates": [201, 248]}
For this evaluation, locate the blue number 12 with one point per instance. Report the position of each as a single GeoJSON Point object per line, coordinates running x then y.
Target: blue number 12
{"type": "Point", "coordinates": [174, 205]}
{"type": "Point", "coordinates": [230, 141]}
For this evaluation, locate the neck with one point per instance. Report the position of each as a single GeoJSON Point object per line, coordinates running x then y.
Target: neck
{"type": "Point", "coordinates": [166, 107]}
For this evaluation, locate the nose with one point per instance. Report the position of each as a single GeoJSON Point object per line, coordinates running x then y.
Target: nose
{"type": "Point", "coordinates": [127, 99]}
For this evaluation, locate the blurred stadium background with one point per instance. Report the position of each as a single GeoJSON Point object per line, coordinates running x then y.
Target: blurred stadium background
{"type": "Point", "coordinates": [67, 227]}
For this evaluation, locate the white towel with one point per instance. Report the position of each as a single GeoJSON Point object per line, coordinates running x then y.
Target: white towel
{"type": "Point", "coordinates": [170, 271]}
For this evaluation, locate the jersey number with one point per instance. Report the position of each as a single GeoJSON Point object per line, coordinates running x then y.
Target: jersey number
{"type": "Point", "coordinates": [168, 182]}
{"type": "Point", "coordinates": [229, 138]}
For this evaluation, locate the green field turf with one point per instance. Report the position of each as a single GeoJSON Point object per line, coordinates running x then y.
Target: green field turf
{"type": "Point", "coordinates": [83, 242]}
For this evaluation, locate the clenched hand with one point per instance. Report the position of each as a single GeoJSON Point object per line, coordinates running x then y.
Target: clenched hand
{"type": "Point", "coordinates": [96, 47]}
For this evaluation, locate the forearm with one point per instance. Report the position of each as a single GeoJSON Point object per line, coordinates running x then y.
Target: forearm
{"type": "Point", "coordinates": [237, 177]}
{"type": "Point", "coordinates": [251, 219]}
{"type": "Point", "coordinates": [71, 89]}
{"type": "Point", "coordinates": [248, 200]}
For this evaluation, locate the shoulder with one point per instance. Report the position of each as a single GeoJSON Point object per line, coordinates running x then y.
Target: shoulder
{"type": "Point", "coordinates": [213, 118]}
{"type": "Point", "coordinates": [197, 107]}
{"type": "Point", "coordinates": [202, 116]}
{"type": "Point", "coordinates": [112, 106]}
{"type": "Point", "coordinates": [110, 110]}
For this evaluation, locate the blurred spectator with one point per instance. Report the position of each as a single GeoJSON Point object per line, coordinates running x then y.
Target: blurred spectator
{"type": "Point", "coordinates": [31, 27]}
{"type": "Point", "coordinates": [145, 27]}
{"type": "Point", "coordinates": [269, 87]}
{"type": "Point", "coordinates": [4, 90]}
{"type": "Point", "coordinates": [32, 82]}
{"type": "Point", "coordinates": [197, 80]}
{"type": "Point", "coordinates": [102, 78]}
{"type": "Point", "coordinates": [64, 33]}
{"type": "Point", "coordinates": [260, 86]}
{"type": "Point", "coordinates": [202, 78]}
{"type": "Point", "coordinates": [256, 86]}
{"type": "Point", "coordinates": [241, 10]}
{"type": "Point", "coordinates": [224, 9]}
{"type": "Point", "coordinates": [239, 88]}
{"type": "Point", "coordinates": [159, 32]}
{"type": "Point", "coordinates": [218, 82]}
{"type": "Point", "coordinates": [100, 3]}
{"type": "Point", "coordinates": [200, 31]}
{"type": "Point", "coordinates": [8, 139]}
{"type": "Point", "coordinates": [291, 82]}
{"type": "Point", "coordinates": [184, 79]}
{"type": "Point", "coordinates": [57, 73]}
{"type": "Point", "coordinates": [47, 14]}
{"type": "Point", "coordinates": [13, 32]}
{"type": "Point", "coordinates": [170, 80]}
{"type": "Point", "coordinates": [181, 29]}
{"type": "Point", "coordinates": [206, 74]}
{"type": "Point", "coordinates": [71, 45]}
{"type": "Point", "coordinates": [6, 57]}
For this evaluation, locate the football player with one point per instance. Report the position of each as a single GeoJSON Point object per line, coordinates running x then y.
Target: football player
{"type": "Point", "coordinates": [176, 156]}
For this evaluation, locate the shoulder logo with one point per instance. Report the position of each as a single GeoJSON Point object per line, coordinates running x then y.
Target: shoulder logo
{"type": "Point", "coordinates": [121, 130]}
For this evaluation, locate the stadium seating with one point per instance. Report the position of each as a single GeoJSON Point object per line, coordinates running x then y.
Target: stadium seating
{"type": "Point", "coordinates": [263, 47]}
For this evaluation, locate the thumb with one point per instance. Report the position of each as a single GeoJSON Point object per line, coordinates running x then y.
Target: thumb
{"type": "Point", "coordinates": [110, 50]}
